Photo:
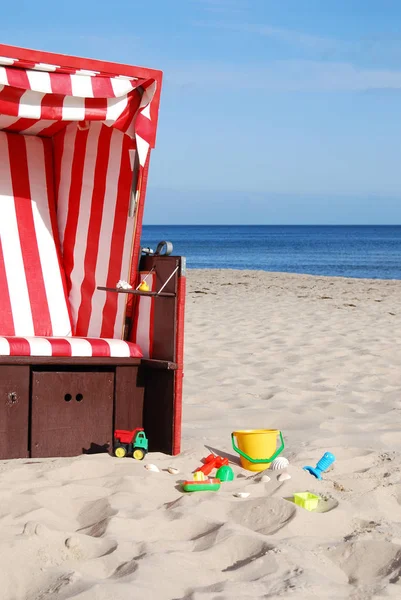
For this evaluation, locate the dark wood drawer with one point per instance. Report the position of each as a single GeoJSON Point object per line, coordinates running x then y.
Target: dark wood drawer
{"type": "Point", "coordinates": [72, 412]}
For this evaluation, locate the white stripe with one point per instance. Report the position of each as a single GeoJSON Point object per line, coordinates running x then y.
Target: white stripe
{"type": "Point", "coordinates": [131, 152]}
{"type": "Point", "coordinates": [4, 347]}
{"type": "Point", "coordinates": [9, 235]}
{"type": "Point", "coordinates": [37, 127]}
{"type": "Point", "coordinates": [106, 232]}
{"type": "Point", "coordinates": [145, 112]}
{"type": "Point", "coordinates": [86, 72]}
{"type": "Point", "coordinates": [53, 283]}
{"type": "Point", "coordinates": [118, 348]}
{"type": "Point", "coordinates": [115, 107]}
{"type": "Point", "coordinates": [143, 149]}
{"type": "Point", "coordinates": [80, 347]}
{"type": "Point", "coordinates": [7, 121]}
{"type": "Point", "coordinates": [3, 76]}
{"type": "Point", "coordinates": [81, 86]}
{"type": "Point", "coordinates": [78, 271]}
{"type": "Point", "coordinates": [63, 193]}
{"type": "Point", "coordinates": [45, 67]}
{"type": "Point", "coordinates": [143, 327]}
{"type": "Point", "coordinates": [30, 105]}
{"type": "Point", "coordinates": [121, 87]}
{"type": "Point", "coordinates": [73, 109]}
{"type": "Point", "coordinates": [40, 346]}
{"type": "Point", "coordinates": [4, 60]}
{"type": "Point", "coordinates": [39, 81]}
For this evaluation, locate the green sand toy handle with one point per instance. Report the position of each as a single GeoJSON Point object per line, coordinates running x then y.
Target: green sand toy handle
{"type": "Point", "coordinates": [259, 460]}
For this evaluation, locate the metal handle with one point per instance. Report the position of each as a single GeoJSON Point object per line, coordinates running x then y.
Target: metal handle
{"type": "Point", "coordinates": [259, 460]}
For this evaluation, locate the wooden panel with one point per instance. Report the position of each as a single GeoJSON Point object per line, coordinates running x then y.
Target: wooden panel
{"type": "Point", "coordinates": [129, 391]}
{"type": "Point", "coordinates": [165, 308]}
{"type": "Point", "coordinates": [14, 412]}
{"type": "Point", "coordinates": [72, 413]}
{"type": "Point", "coordinates": [159, 409]}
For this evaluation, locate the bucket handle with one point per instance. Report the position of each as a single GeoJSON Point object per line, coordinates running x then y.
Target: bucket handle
{"type": "Point", "coordinates": [258, 460]}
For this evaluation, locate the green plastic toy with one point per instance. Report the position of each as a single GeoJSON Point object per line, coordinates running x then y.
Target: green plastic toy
{"type": "Point", "coordinates": [207, 485]}
{"type": "Point", "coordinates": [225, 473]}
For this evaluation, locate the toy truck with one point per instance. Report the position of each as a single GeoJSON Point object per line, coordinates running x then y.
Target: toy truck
{"type": "Point", "coordinates": [130, 443]}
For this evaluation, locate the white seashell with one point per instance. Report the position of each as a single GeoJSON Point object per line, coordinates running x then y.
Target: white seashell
{"type": "Point", "coordinates": [265, 478]}
{"type": "Point", "coordinates": [241, 494]}
{"type": "Point", "coordinates": [279, 463]}
{"type": "Point", "coordinates": [284, 477]}
{"type": "Point", "coordinates": [123, 285]}
{"type": "Point", "coordinates": [152, 468]}
{"type": "Point", "coordinates": [173, 471]}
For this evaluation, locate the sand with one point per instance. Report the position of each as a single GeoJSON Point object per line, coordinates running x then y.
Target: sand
{"type": "Point", "coordinates": [318, 358]}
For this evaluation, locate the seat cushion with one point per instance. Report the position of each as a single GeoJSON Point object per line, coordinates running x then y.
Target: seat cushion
{"type": "Point", "coordinates": [68, 346]}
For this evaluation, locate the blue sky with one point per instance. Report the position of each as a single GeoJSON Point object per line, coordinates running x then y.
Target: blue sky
{"type": "Point", "coordinates": [273, 111]}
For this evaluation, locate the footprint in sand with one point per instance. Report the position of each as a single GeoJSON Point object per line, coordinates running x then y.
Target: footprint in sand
{"type": "Point", "coordinates": [367, 562]}
{"type": "Point", "coordinates": [263, 515]}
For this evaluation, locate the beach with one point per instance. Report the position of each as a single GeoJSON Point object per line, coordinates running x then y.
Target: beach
{"type": "Point", "coordinates": [315, 357]}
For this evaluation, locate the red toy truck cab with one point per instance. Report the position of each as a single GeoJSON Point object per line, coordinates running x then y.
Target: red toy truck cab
{"type": "Point", "coordinates": [80, 358]}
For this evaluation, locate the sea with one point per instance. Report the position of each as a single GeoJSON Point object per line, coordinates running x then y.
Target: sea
{"type": "Point", "coordinates": [372, 252]}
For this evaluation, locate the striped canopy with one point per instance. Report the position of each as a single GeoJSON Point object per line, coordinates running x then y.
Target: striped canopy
{"type": "Point", "coordinates": [41, 99]}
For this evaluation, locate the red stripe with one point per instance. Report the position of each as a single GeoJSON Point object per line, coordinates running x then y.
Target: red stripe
{"type": "Point", "coordinates": [74, 197]}
{"type": "Point", "coordinates": [21, 125]}
{"type": "Point", "coordinates": [54, 129]}
{"type": "Point", "coordinates": [125, 119]}
{"type": "Point", "coordinates": [9, 101]}
{"type": "Point", "coordinates": [17, 78]}
{"type": "Point", "coordinates": [99, 347]}
{"type": "Point", "coordinates": [26, 227]}
{"type": "Point", "coordinates": [60, 347]}
{"type": "Point", "coordinates": [52, 107]}
{"type": "Point", "coordinates": [117, 239]}
{"type": "Point", "coordinates": [58, 149]}
{"type": "Point", "coordinates": [6, 315]}
{"type": "Point", "coordinates": [102, 87]}
{"type": "Point", "coordinates": [179, 358]}
{"type": "Point", "coordinates": [19, 346]}
{"type": "Point", "coordinates": [134, 350]}
{"type": "Point", "coordinates": [61, 84]}
{"type": "Point", "coordinates": [95, 222]}
{"type": "Point", "coordinates": [144, 128]}
{"type": "Point", "coordinates": [95, 109]}
{"type": "Point", "coordinates": [152, 319]}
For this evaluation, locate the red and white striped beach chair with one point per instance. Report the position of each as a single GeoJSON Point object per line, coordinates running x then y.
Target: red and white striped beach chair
{"type": "Point", "coordinates": [78, 357]}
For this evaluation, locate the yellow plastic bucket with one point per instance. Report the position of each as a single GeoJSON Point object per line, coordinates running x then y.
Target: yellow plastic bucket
{"type": "Point", "coordinates": [257, 447]}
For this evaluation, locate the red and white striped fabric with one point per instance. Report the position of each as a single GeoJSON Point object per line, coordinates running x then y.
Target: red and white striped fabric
{"type": "Point", "coordinates": [67, 346]}
{"type": "Point", "coordinates": [142, 330]}
{"type": "Point", "coordinates": [33, 295]}
{"type": "Point", "coordinates": [40, 99]}
{"type": "Point", "coordinates": [93, 184]}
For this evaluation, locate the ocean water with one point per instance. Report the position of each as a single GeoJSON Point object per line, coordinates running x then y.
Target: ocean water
{"type": "Point", "coordinates": [346, 251]}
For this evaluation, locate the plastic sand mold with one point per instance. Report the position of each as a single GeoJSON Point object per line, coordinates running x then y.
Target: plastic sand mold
{"type": "Point", "coordinates": [207, 485]}
{"type": "Point", "coordinates": [306, 500]}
